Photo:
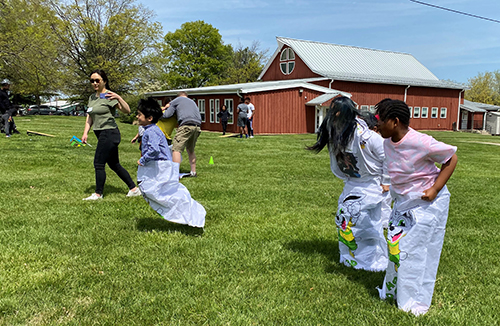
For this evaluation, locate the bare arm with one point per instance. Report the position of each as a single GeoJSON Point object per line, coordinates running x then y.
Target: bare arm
{"type": "Point", "coordinates": [135, 138]}
{"type": "Point", "coordinates": [445, 174]}
{"type": "Point", "coordinates": [88, 125]}
{"type": "Point", "coordinates": [122, 105]}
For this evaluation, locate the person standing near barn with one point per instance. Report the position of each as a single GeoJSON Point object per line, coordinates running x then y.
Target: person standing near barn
{"type": "Point", "coordinates": [224, 116]}
{"type": "Point", "coordinates": [250, 116]}
{"type": "Point", "coordinates": [189, 119]}
{"type": "Point", "coordinates": [242, 118]}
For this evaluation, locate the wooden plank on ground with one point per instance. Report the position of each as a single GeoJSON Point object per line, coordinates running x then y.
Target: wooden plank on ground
{"type": "Point", "coordinates": [30, 132]}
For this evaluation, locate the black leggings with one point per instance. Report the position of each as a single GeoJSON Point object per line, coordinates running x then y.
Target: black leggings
{"type": "Point", "coordinates": [107, 152]}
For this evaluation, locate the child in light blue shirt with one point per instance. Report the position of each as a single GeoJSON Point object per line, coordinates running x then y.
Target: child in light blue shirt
{"type": "Point", "coordinates": [154, 145]}
{"type": "Point", "coordinates": [158, 175]}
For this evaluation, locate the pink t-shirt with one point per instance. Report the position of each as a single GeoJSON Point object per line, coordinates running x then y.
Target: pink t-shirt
{"type": "Point", "coordinates": [410, 162]}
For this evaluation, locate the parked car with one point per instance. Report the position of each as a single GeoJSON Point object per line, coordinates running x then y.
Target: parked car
{"type": "Point", "coordinates": [42, 110]}
{"type": "Point", "coordinates": [21, 110]}
{"type": "Point", "coordinates": [72, 109]}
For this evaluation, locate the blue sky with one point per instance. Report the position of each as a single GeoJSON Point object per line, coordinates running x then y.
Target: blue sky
{"type": "Point", "coordinates": [452, 46]}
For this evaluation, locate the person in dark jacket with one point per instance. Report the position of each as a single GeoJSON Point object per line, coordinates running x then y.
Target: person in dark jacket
{"type": "Point", "coordinates": [224, 115]}
{"type": "Point", "coordinates": [7, 109]}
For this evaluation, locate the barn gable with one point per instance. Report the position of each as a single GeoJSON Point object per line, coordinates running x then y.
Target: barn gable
{"type": "Point", "coordinates": [349, 63]}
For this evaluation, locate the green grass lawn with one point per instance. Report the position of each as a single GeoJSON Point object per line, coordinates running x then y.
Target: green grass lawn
{"type": "Point", "coordinates": [268, 254]}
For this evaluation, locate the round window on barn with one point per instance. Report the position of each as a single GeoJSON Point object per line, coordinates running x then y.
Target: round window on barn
{"type": "Point", "coordinates": [287, 61]}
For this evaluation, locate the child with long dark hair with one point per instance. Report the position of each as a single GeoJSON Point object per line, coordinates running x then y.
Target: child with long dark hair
{"type": "Point", "coordinates": [356, 157]}
{"type": "Point", "coordinates": [421, 202]}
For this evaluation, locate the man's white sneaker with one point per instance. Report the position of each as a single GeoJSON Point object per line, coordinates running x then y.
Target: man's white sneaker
{"type": "Point", "coordinates": [94, 196]}
{"type": "Point", "coordinates": [134, 193]}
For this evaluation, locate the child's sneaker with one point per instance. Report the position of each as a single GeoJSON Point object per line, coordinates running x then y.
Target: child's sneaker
{"type": "Point", "coordinates": [134, 193]}
{"type": "Point", "coordinates": [94, 196]}
{"type": "Point", "coordinates": [193, 174]}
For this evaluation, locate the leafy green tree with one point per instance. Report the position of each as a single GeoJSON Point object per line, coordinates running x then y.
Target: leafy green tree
{"type": "Point", "coordinates": [247, 64]}
{"type": "Point", "coordinates": [195, 56]}
{"type": "Point", "coordinates": [484, 88]}
{"type": "Point", "coordinates": [114, 35]}
{"type": "Point", "coordinates": [29, 50]}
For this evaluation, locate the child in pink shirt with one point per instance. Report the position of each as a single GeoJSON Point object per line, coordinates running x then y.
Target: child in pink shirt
{"type": "Point", "coordinates": [418, 220]}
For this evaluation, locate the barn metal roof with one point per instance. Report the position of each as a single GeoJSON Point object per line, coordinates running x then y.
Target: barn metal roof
{"type": "Point", "coordinates": [478, 107]}
{"type": "Point", "coordinates": [321, 99]}
{"type": "Point", "coordinates": [255, 87]}
{"type": "Point", "coordinates": [357, 64]}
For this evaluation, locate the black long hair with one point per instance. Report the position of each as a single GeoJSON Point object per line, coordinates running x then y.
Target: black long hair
{"type": "Point", "coordinates": [337, 129]}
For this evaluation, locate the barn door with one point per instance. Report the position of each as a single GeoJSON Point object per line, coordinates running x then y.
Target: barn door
{"type": "Point", "coordinates": [320, 115]}
{"type": "Point", "coordinates": [464, 120]}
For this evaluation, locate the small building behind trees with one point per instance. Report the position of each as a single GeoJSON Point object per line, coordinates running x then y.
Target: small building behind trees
{"type": "Point", "coordinates": [476, 116]}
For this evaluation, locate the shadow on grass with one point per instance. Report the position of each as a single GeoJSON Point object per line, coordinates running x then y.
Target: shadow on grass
{"type": "Point", "coordinates": [109, 189]}
{"type": "Point", "coordinates": [148, 224]}
{"type": "Point", "coordinates": [330, 249]}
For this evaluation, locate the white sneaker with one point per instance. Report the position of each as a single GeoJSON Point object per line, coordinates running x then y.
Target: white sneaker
{"type": "Point", "coordinates": [251, 136]}
{"type": "Point", "coordinates": [134, 193]}
{"type": "Point", "coordinates": [94, 196]}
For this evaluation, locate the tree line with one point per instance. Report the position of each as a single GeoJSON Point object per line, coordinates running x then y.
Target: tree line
{"type": "Point", "coordinates": [49, 48]}
{"type": "Point", "coordinates": [484, 88]}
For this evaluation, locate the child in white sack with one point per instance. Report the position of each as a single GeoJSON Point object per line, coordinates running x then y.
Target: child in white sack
{"type": "Point", "coordinates": [356, 157]}
{"type": "Point", "coordinates": [158, 175]}
{"type": "Point", "coordinates": [421, 202]}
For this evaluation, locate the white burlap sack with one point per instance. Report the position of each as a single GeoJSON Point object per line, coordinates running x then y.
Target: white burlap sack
{"type": "Point", "coordinates": [415, 238]}
{"type": "Point", "coordinates": [159, 184]}
{"type": "Point", "coordinates": [362, 242]}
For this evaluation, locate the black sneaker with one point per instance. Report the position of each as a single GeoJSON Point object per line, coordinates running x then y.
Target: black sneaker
{"type": "Point", "coordinates": [16, 131]}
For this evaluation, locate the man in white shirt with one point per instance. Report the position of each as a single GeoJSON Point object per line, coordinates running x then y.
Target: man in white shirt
{"type": "Point", "coordinates": [250, 116]}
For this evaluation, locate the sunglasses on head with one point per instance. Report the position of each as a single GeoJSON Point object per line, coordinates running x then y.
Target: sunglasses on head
{"type": "Point", "coordinates": [95, 81]}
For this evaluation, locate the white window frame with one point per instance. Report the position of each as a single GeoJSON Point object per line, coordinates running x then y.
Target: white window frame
{"type": "Point", "coordinates": [416, 112]}
{"type": "Point", "coordinates": [212, 110]}
{"type": "Point", "coordinates": [217, 110]}
{"type": "Point", "coordinates": [372, 109]}
{"type": "Point", "coordinates": [434, 113]}
{"type": "Point", "coordinates": [445, 111]}
{"type": "Point", "coordinates": [228, 102]}
{"type": "Point", "coordinates": [426, 114]}
{"type": "Point", "coordinates": [287, 57]}
{"type": "Point", "coordinates": [201, 107]}
{"type": "Point", "coordinates": [365, 108]}
{"type": "Point", "coordinates": [411, 111]}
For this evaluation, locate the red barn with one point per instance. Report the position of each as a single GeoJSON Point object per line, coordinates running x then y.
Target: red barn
{"type": "Point", "coordinates": [300, 79]}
